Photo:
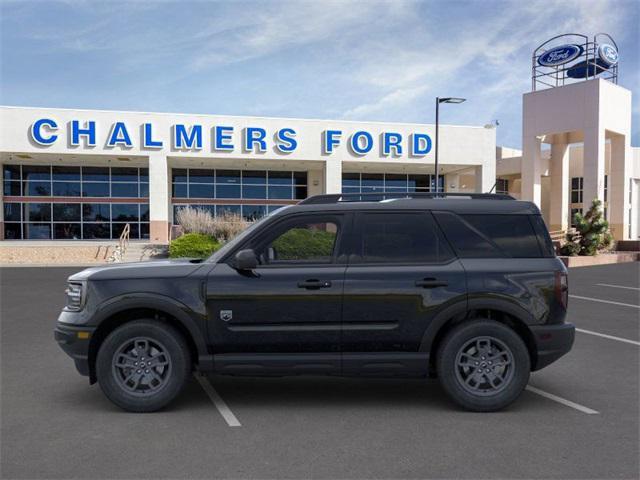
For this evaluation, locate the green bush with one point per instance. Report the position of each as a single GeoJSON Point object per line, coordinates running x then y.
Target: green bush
{"type": "Point", "coordinates": [592, 233]}
{"type": "Point", "coordinates": [193, 245]}
{"type": "Point", "coordinates": [303, 243]}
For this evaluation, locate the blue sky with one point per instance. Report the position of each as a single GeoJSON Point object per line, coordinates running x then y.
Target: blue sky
{"type": "Point", "coordinates": [355, 60]}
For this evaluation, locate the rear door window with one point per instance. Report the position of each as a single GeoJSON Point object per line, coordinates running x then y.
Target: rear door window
{"type": "Point", "coordinates": [399, 237]}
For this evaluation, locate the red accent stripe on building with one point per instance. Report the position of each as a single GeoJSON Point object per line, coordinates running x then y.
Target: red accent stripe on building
{"type": "Point", "coordinates": [8, 199]}
{"type": "Point", "coordinates": [235, 201]}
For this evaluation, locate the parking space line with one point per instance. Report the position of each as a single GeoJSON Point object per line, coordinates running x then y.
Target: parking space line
{"type": "Point", "coordinates": [616, 286]}
{"type": "Point", "coordinates": [217, 400]}
{"type": "Point", "coordinates": [610, 337]}
{"type": "Point", "coordinates": [604, 301]}
{"type": "Point", "coordinates": [563, 401]}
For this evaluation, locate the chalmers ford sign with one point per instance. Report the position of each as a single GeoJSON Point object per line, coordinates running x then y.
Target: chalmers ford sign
{"type": "Point", "coordinates": [220, 138]}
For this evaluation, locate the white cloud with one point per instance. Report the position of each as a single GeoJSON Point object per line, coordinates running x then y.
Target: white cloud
{"type": "Point", "coordinates": [396, 98]}
{"type": "Point", "coordinates": [281, 25]}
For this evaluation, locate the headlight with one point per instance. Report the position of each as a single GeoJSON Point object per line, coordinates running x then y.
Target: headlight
{"type": "Point", "coordinates": [75, 296]}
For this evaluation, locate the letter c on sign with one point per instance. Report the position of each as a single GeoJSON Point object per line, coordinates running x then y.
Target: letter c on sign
{"type": "Point", "coordinates": [37, 134]}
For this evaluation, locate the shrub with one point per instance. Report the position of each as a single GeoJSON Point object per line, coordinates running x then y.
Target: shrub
{"type": "Point", "coordinates": [195, 220]}
{"type": "Point", "coordinates": [223, 227]}
{"type": "Point", "coordinates": [592, 233]}
{"type": "Point", "coordinates": [194, 245]}
{"type": "Point", "coordinates": [227, 226]}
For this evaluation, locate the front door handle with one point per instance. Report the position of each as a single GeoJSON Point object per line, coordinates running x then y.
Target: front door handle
{"type": "Point", "coordinates": [314, 284]}
{"type": "Point", "coordinates": [431, 283]}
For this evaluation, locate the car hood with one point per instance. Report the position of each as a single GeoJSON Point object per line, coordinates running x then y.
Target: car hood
{"type": "Point", "coordinates": [150, 269]}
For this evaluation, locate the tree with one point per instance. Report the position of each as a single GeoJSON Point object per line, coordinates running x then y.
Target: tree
{"type": "Point", "coordinates": [592, 233]}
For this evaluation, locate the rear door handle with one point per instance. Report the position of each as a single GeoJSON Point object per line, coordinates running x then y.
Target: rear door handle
{"type": "Point", "coordinates": [431, 283]}
{"type": "Point", "coordinates": [314, 284]}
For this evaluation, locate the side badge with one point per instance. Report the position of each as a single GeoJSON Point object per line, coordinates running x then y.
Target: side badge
{"type": "Point", "coordinates": [226, 315]}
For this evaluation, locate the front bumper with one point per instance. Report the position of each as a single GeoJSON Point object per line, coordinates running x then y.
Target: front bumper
{"type": "Point", "coordinates": [552, 342]}
{"type": "Point", "coordinates": [74, 341]}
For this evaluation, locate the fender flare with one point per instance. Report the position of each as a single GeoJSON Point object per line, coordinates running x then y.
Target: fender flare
{"type": "Point", "coordinates": [457, 308]}
{"type": "Point", "coordinates": [162, 303]}
{"type": "Point", "coordinates": [504, 304]}
{"type": "Point", "coordinates": [465, 306]}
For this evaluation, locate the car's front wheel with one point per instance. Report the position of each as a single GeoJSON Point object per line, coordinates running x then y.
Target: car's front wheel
{"type": "Point", "coordinates": [143, 365]}
{"type": "Point", "coordinates": [483, 365]}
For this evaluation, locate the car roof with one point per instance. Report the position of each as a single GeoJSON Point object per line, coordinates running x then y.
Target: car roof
{"type": "Point", "coordinates": [462, 205]}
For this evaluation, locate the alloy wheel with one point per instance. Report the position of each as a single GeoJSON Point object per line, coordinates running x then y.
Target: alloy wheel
{"type": "Point", "coordinates": [141, 366]}
{"type": "Point", "coordinates": [484, 366]}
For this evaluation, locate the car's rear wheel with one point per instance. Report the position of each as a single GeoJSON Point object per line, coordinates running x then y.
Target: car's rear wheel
{"type": "Point", "coordinates": [483, 365]}
{"type": "Point", "coordinates": [143, 365]}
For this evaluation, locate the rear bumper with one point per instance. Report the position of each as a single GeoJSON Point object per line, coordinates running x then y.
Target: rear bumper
{"type": "Point", "coordinates": [75, 345]}
{"type": "Point", "coordinates": [552, 342]}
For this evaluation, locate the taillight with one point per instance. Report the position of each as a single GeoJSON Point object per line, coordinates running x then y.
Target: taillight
{"type": "Point", "coordinates": [562, 289]}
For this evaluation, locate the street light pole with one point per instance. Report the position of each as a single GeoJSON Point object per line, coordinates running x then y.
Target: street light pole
{"type": "Point", "coordinates": [437, 142]}
{"type": "Point", "coordinates": [438, 102]}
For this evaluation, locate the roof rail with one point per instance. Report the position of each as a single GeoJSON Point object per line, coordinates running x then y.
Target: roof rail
{"type": "Point", "coordinates": [376, 197]}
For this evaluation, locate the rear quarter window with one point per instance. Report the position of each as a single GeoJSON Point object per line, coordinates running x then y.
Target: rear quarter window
{"type": "Point", "coordinates": [544, 239]}
{"type": "Point", "coordinates": [491, 236]}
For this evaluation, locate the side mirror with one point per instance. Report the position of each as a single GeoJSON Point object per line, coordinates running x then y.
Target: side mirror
{"type": "Point", "coordinates": [246, 260]}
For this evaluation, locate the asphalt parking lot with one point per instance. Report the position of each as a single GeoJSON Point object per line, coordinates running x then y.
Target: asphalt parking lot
{"type": "Point", "coordinates": [579, 419]}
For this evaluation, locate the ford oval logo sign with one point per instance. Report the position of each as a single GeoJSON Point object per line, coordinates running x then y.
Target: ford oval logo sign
{"type": "Point", "coordinates": [608, 54]}
{"type": "Point", "coordinates": [560, 55]}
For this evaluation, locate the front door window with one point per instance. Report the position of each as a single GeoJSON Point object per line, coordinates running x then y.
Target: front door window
{"type": "Point", "coordinates": [302, 242]}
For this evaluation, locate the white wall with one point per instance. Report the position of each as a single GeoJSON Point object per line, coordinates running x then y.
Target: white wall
{"type": "Point", "coordinates": [458, 144]}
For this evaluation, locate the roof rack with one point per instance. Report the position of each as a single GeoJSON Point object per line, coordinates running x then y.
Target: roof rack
{"type": "Point", "coordinates": [379, 196]}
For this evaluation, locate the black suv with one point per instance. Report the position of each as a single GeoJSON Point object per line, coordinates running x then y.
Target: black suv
{"type": "Point", "coordinates": [463, 287]}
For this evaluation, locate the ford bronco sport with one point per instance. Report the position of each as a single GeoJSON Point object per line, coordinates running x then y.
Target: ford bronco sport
{"type": "Point", "coordinates": [463, 287]}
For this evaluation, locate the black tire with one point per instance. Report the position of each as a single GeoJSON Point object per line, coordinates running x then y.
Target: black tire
{"type": "Point", "coordinates": [126, 384]}
{"type": "Point", "coordinates": [460, 358]}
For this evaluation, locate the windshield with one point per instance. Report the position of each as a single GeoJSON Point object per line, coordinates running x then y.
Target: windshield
{"type": "Point", "coordinates": [231, 244]}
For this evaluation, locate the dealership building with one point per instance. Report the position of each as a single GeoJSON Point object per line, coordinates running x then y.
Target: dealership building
{"type": "Point", "coordinates": [86, 174]}
{"type": "Point", "coordinates": [81, 174]}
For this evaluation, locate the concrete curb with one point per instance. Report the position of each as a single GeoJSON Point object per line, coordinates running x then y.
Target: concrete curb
{"type": "Point", "coordinates": [602, 259]}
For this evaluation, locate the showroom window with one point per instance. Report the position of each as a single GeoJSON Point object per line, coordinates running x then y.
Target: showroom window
{"type": "Point", "coordinates": [389, 182]}
{"type": "Point", "coordinates": [74, 221]}
{"type": "Point", "coordinates": [77, 202]}
{"type": "Point", "coordinates": [250, 193]}
{"type": "Point", "coordinates": [238, 184]}
{"type": "Point", "coordinates": [63, 181]}
{"type": "Point", "coordinates": [249, 212]}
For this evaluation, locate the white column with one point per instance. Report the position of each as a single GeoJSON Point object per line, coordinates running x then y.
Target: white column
{"type": "Point", "coordinates": [333, 176]}
{"type": "Point", "coordinates": [485, 176]}
{"type": "Point", "coordinates": [531, 169]}
{"type": "Point", "coordinates": [159, 198]}
{"type": "Point", "coordinates": [619, 188]}
{"type": "Point", "coordinates": [593, 166]}
{"type": "Point", "coordinates": [559, 205]}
